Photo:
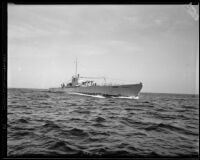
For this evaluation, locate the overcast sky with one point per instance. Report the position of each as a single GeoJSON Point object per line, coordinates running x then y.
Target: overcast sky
{"type": "Point", "coordinates": [154, 44]}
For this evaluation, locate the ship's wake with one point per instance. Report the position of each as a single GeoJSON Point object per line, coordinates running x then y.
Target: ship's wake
{"type": "Point", "coordinates": [128, 97]}
{"type": "Point", "coordinates": [89, 95]}
{"type": "Point", "coordinates": [102, 96]}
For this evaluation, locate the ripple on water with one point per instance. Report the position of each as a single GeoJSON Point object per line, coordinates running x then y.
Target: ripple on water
{"type": "Point", "coordinates": [43, 123]}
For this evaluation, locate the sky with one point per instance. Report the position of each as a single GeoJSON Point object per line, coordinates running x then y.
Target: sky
{"type": "Point", "coordinates": [157, 45]}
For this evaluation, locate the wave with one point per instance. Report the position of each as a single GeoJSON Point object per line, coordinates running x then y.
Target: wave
{"type": "Point", "coordinates": [22, 133]}
{"type": "Point", "coordinates": [78, 132]}
{"type": "Point", "coordinates": [112, 126]}
{"type": "Point", "coordinates": [100, 119]}
{"type": "Point", "coordinates": [160, 126]}
{"type": "Point", "coordinates": [49, 125]}
{"type": "Point", "coordinates": [61, 146]}
{"type": "Point", "coordinates": [21, 120]}
{"type": "Point", "coordinates": [82, 111]}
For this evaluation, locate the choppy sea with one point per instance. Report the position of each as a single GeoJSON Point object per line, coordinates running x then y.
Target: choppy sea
{"type": "Point", "coordinates": [40, 123]}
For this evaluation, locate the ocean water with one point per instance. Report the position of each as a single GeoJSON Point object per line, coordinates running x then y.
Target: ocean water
{"type": "Point", "coordinates": [40, 123]}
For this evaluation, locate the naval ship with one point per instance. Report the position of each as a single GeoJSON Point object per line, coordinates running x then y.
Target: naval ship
{"type": "Point", "coordinates": [89, 87]}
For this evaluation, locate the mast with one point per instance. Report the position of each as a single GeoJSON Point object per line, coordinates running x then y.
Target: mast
{"type": "Point", "coordinates": [76, 68]}
{"type": "Point", "coordinates": [75, 77]}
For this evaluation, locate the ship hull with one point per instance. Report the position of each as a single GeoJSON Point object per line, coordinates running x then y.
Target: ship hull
{"type": "Point", "coordinates": [118, 90]}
